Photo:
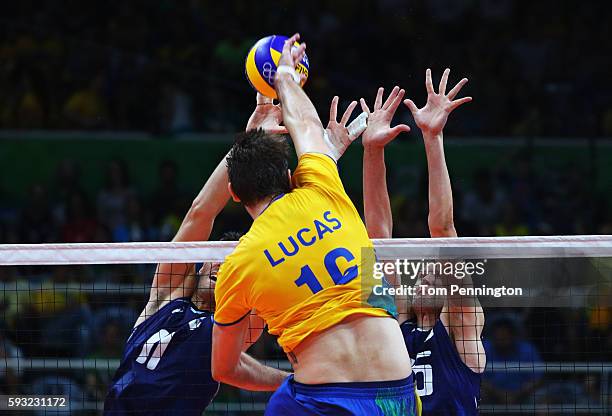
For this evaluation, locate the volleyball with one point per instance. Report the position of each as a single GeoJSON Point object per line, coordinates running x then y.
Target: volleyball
{"type": "Point", "coordinates": [261, 63]}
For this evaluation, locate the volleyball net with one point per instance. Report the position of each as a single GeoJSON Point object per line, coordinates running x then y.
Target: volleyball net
{"type": "Point", "coordinates": [66, 311]}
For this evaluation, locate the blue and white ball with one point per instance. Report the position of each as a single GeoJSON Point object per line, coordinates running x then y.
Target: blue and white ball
{"type": "Point", "coordinates": [262, 61]}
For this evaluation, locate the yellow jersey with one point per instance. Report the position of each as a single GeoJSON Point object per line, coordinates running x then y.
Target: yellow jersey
{"type": "Point", "coordinates": [300, 265]}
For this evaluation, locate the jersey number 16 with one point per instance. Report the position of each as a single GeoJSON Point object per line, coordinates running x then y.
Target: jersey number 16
{"type": "Point", "coordinates": [308, 278]}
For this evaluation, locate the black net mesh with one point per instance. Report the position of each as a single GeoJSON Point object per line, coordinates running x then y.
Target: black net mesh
{"type": "Point", "coordinates": [64, 329]}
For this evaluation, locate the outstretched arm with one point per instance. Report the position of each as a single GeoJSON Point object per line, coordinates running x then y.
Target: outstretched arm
{"type": "Point", "coordinates": [299, 114]}
{"type": "Point", "coordinates": [174, 280]}
{"type": "Point", "coordinates": [377, 208]}
{"type": "Point", "coordinates": [431, 120]}
{"type": "Point", "coordinates": [462, 315]}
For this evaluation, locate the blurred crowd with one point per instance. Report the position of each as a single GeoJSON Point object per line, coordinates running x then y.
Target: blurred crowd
{"type": "Point", "coordinates": [493, 201]}
{"type": "Point", "coordinates": [167, 67]}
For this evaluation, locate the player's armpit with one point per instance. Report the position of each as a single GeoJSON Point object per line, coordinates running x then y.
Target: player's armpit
{"type": "Point", "coordinates": [256, 327]}
{"type": "Point", "coordinates": [465, 325]}
{"type": "Point", "coordinates": [172, 281]}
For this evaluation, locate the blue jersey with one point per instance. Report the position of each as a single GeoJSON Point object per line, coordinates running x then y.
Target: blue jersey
{"type": "Point", "coordinates": [445, 384]}
{"type": "Point", "coordinates": [165, 368]}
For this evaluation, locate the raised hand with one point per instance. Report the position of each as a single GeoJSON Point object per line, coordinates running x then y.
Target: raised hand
{"type": "Point", "coordinates": [432, 118]}
{"type": "Point", "coordinates": [379, 131]}
{"type": "Point", "coordinates": [337, 133]}
{"type": "Point", "coordinates": [291, 54]}
{"type": "Point", "coordinates": [267, 116]}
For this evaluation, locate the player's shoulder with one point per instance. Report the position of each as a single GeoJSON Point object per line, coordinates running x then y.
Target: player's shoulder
{"type": "Point", "coordinates": [408, 326]}
{"type": "Point", "coordinates": [247, 242]}
{"type": "Point", "coordinates": [169, 314]}
{"type": "Point", "coordinates": [316, 169]}
{"type": "Point", "coordinates": [176, 309]}
{"type": "Point", "coordinates": [164, 311]}
{"type": "Point", "coordinates": [242, 253]}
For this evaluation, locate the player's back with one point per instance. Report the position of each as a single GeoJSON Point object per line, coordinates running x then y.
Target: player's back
{"type": "Point", "coordinates": [302, 267]}
{"type": "Point", "coordinates": [445, 384]}
{"type": "Point", "coordinates": [165, 367]}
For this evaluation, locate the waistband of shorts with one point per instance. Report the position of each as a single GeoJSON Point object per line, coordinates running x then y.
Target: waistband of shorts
{"type": "Point", "coordinates": [362, 389]}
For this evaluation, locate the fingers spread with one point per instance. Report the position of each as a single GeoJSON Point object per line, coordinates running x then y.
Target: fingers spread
{"type": "Point", "coordinates": [396, 101]}
{"type": "Point", "coordinates": [428, 82]}
{"type": "Point", "coordinates": [443, 81]}
{"type": "Point", "coordinates": [391, 97]}
{"type": "Point", "coordinates": [348, 112]}
{"type": "Point", "coordinates": [453, 93]}
{"type": "Point", "coordinates": [333, 109]}
{"type": "Point", "coordinates": [411, 106]}
{"type": "Point", "coordinates": [460, 101]}
{"type": "Point", "coordinates": [378, 101]}
{"type": "Point", "coordinates": [364, 106]}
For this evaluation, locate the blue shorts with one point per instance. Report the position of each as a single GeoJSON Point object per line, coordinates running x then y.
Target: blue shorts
{"type": "Point", "coordinates": [384, 398]}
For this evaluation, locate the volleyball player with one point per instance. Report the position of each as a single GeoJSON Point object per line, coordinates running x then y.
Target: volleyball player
{"type": "Point", "coordinates": [299, 268]}
{"type": "Point", "coordinates": [165, 367]}
{"type": "Point", "coordinates": [444, 338]}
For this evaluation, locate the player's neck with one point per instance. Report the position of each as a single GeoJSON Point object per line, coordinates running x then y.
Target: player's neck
{"type": "Point", "coordinates": [426, 320]}
{"type": "Point", "coordinates": [257, 208]}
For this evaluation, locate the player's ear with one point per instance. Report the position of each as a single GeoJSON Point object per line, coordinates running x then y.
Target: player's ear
{"type": "Point", "coordinates": [231, 191]}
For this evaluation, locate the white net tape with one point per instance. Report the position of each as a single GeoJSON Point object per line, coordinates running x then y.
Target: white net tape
{"type": "Point", "coordinates": [421, 248]}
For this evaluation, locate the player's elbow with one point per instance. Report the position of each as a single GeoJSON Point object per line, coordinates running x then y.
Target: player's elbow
{"type": "Point", "coordinates": [221, 372]}
{"type": "Point", "coordinates": [198, 214]}
{"type": "Point", "coordinates": [200, 210]}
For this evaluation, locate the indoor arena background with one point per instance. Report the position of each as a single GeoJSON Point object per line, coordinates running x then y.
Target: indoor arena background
{"type": "Point", "coordinates": [114, 113]}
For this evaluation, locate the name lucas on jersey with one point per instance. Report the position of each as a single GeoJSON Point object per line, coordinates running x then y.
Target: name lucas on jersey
{"type": "Point", "coordinates": [304, 237]}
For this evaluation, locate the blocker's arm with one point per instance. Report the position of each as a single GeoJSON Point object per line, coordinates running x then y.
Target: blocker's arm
{"type": "Point", "coordinates": [462, 315]}
{"type": "Point", "coordinates": [169, 281]}
{"type": "Point", "coordinates": [377, 207]}
{"type": "Point", "coordinates": [379, 133]}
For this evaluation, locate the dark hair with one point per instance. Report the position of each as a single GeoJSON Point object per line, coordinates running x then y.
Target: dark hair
{"type": "Point", "coordinates": [257, 166]}
{"type": "Point", "coordinates": [231, 236]}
